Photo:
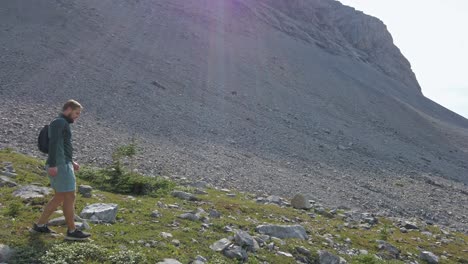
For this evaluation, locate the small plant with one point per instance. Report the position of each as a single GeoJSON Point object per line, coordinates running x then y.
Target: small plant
{"type": "Point", "coordinates": [13, 209]}
{"type": "Point", "coordinates": [119, 179]}
{"type": "Point", "coordinates": [365, 259]}
{"type": "Point", "coordinates": [385, 232]}
{"type": "Point", "coordinates": [74, 253]}
{"type": "Point", "coordinates": [124, 151]}
{"type": "Point", "coordinates": [127, 257]}
{"type": "Point", "coordinates": [26, 255]}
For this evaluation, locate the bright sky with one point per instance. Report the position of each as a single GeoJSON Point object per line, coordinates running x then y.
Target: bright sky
{"type": "Point", "coordinates": [433, 36]}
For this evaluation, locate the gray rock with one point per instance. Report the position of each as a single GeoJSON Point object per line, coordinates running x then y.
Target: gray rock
{"type": "Point", "coordinates": [284, 254]}
{"type": "Point", "coordinates": [214, 214]}
{"type": "Point", "coordinates": [326, 257]}
{"type": "Point", "coordinates": [304, 251]}
{"type": "Point", "coordinates": [220, 245]}
{"type": "Point", "coordinates": [199, 191]}
{"type": "Point", "coordinates": [387, 251]}
{"type": "Point", "coordinates": [5, 253]}
{"type": "Point", "coordinates": [169, 261]}
{"type": "Point", "coordinates": [200, 184]}
{"type": "Point", "coordinates": [274, 199]}
{"type": "Point", "coordinates": [283, 231]}
{"type": "Point", "coordinates": [8, 174]}
{"type": "Point", "coordinates": [245, 240]}
{"type": "Point", "coordinates": [410, 225]}
{"type": "Point", "coordinates": [100, 212]}
{"type": "Point", "coordinates": [32, 191]}
{"type": "Point", "coordinates": [166, 235]}
{"type": "Point", "coordinates": [300, 202]}
{"type": "Point", "coordinates": [262, 239]}
{"type": "Point", "coordinates": [156, 214]}
{"type": "Point", "coordinates": [190, 216]}
{"type": "Point", "coordinates": [85, 190]}
{"type": "Point", "coordinates": [60, 221]}
{"type": "Point", "coordinates": [235, 252]}
{"type": "Point", "coordinates": [184, 196]}
{"type": "Point", "coordinates": [5, 181]}
{"type": "Point", "coordinates": [199, 260]}
{"type": "Point", "coordinates": [429, 257]}
{"type": "Point", "coordinates": [371, 220]}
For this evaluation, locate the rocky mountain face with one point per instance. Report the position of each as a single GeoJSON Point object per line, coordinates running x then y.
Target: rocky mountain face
{"type": "Point", "coordinates": [281, 96]}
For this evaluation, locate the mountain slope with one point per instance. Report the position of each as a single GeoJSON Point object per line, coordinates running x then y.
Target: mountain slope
{"type": "Point", "coordinates": [271, 95]}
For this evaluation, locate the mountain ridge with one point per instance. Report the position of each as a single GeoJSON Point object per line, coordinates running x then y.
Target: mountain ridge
{"type": "Point", "coordinates": [214, 92]}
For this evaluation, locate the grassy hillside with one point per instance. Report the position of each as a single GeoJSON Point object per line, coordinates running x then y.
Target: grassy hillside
{"type": "Point", "coordinates": [137, 236]}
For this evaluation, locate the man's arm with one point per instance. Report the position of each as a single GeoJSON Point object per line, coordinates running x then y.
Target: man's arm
{"type": "Point", "coordinates": [55, 138]}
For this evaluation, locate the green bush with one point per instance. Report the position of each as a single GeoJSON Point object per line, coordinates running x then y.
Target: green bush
{"type": "Point", "coordinates": [74, 253]}
{"type": "Point", "coordinates": [13, 209]}
{"type": "Point", "coordinates": [89, 253]}
{"type": "Point", "coordinates": [126, 257]}
{"type": "Point", "coordinates": [365, 259]}
{"type": "Point", "coordinates": [116, 178]}
{"type": "Point", "coordinates": [126, 182]}
{"type": "Point", "coordinates": [26, 255]}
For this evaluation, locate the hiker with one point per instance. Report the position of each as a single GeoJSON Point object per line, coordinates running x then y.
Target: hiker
{"type": "Point", "coordinates": [60, 169]}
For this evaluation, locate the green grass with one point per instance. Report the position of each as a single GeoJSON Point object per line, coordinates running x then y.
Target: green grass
{"type": "Point", "coordinates": [134, 223]}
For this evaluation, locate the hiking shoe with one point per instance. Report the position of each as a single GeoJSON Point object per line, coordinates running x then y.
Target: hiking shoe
{"type": "Point", "coordinates": [42, 229]}
{"type": "Point", "coordinates": [77, 235]}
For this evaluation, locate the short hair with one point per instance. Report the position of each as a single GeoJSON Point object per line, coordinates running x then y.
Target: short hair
{"type": "Point", "coordinates": [73, 104]}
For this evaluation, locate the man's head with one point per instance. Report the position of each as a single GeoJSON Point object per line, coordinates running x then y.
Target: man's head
{"type": "Point", "coordinates": [72, 110]}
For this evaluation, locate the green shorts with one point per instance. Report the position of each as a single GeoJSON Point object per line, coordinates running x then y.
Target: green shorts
{"type": "Point", "coordinates": [65, 180]}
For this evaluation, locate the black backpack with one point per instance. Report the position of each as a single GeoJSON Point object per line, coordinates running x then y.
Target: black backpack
{"type": "Point", "coordinates": [43, 140]}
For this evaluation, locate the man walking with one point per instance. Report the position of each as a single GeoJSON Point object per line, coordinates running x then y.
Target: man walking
{"type": "Point", "coordinates": [60, 168]}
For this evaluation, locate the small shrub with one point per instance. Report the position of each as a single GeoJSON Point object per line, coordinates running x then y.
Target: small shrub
{"type": "Point", "coordinates": [126, 257]}
{"type": "Point", "coordinates": [26, 255]}
{"type": "Point", "coordinates": [119, 179]}
{"type": "Point", "coordinates": [384, 232]}
{"type": "Point", "coordinates": [74, 253]}
{"type": "Point", "coordinates": [13, 209]}
{"type": "Point", "coordinates": [364, 259]}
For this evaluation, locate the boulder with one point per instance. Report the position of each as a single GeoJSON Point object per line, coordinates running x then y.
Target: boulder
{"type": "Point", "coordinates": [85, 190]}
{"type": "Point", "coordinates": [156, 214]}
{"type": "Point", "coordinates": [169, 261]}
{"type": "Point", "coordinates": [220, 245]}
{"type": "Point", "coordinates": [429, 257]}
{"type": "Point", "coordinates": [80, 223]}
{"type": "Point", "coordinates": [410, 225]}
{"type": "Point", "coordinates": [5, 253]}
{"type": "Point", "coordinates": [326, 257]}
{"type": "Point", "coordinates": [166, 235]}
{"type": "Point", "coordinates": [273, 199]}
{"type": "Point", "coordinates": [32, 191]}
{"type": "Point", "coordinates": [184, 196]}
{"type": "Point", "coordinates": [214, 214]}
{"type": "Point", "coordinates": [8, 174]}
{"type": "Point", "coordinates": [283, 231]}
{"type": "Point", "coordinates": [190, 216]}
{"type": "Point", "coordinates": [300, 202]}
{"type": "Point", "coordinates": [245, 240]}
{"type": "Point", "coordinates": [100, 212]}
{"type": "Point", "coordinates": [235, 252]}
{"type": "Point", "coordinates": [5, 181]}
{"type": "Point", "coordinates": [387, 250]}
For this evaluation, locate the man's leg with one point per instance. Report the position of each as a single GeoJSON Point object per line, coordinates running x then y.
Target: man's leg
{"type": "Point", "coordinates": [50, 208]}
{"type": "Point", "coordinates": [69, 209]}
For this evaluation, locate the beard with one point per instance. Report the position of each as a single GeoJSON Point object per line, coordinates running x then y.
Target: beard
{"type": "Point", "coordinates": [70, 119]}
